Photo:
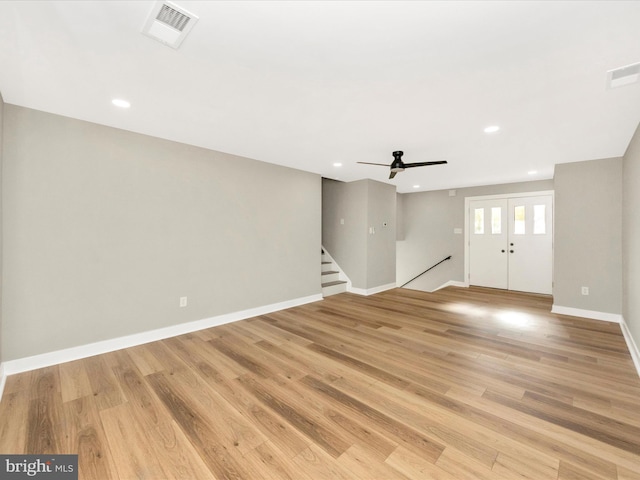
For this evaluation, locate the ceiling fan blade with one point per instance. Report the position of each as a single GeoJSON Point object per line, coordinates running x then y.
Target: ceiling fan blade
{"type": "Point", "coordinates": [369, 163]}
{"type": "Point", "coordinates": [424, 164]}
{"type": "Point", "coordinates": [392, 174]}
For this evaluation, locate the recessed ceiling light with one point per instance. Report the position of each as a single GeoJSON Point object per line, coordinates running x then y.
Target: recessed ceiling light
{"type": "Point", "coordinates": [532, 172]}
{"type": "Point", "coordinates": [337, 164]}
{"type": "Point", "coordinates": [416, 186]}
{"type": "Point", "coordinates": [492, 129]}
{"type": "Point", "coordinates": [119, 102]}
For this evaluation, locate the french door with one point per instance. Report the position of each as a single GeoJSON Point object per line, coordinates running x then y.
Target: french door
{"type": "Point", "coordinates": [511, 243]}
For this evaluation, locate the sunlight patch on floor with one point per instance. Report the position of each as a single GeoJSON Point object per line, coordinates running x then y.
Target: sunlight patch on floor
{"type": "Point", "coordinates": [514, 319]}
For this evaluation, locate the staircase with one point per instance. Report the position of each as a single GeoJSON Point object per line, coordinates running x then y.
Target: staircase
{"type": "Point", "coordinates": [331, 283]}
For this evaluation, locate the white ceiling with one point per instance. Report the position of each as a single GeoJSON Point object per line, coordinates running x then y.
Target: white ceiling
{"type": "Point", "coordinates": [307, 84]}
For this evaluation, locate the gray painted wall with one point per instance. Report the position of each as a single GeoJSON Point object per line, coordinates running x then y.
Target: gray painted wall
{"type": "Point", "coordinates": [399, 216]}
{"type": "Point", "coordinates": [368, 260]}
{"type": "Point", "coordinates": [105, 229]}
{"type": "Point", "coordinates": [1, 220]}
{"type": "Point", "coordinates": [381, 246]}
{"type": "Point", "coordinates": [429, 219]}
{"type": "Point", "coordinates": [631, 237]}
{"type": "Point", "coordinates": [588, 235]}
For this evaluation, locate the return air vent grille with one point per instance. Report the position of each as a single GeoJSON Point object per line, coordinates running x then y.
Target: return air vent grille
{"type": "Point", "coordinates": [627, 75]}
{"type": "Point", "coordinates": [172, 17]}
{"type": "Point", "coordinates": [168, 23]}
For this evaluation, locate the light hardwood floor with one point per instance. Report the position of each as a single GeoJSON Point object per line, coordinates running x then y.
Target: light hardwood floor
{"type": "Point", "coordinates": [460, 384]}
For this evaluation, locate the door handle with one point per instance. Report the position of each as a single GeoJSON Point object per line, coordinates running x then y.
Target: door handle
{"type": "Point", "coordinates": [510, 251]}
{"type": "Point", "coordinates": [502, 251]}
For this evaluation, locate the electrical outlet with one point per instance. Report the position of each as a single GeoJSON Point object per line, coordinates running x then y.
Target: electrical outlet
{"type": "Point", "coordinates": [183, 301]}
{"type": "Point", "coordinates": [585, 290]}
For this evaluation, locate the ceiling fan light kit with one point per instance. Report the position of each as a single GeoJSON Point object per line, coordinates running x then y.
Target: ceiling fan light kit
{"type": "Point", "coordinates": [398, 165]}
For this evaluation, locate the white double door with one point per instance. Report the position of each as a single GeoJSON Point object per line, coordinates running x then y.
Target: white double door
{"type": "Point", "coordinates": [511, 243]}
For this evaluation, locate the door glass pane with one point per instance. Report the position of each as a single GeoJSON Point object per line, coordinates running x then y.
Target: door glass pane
{"type": "Point", "coordinates": [518, 223]}
{"type": "Point", "coordinates": [496, 220]}
{"type": "Point", "coordinates": [479, 221]}
{"type": "Point", "coordinates": [539, 223]}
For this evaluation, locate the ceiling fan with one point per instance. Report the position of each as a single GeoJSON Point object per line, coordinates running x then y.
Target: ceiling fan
{"type": "Point", "coordinates": [398, 165]}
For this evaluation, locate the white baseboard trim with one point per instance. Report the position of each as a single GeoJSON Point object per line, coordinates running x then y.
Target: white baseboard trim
{"type": "Point", "coordinates": [371, 291]}
{"type": "Point", "coordinates": [592, 314]}
{"type": "Point", "coordinates": [3, 379]}
{"type": "Point", "coordinates": [75, 353]}
{"type": "Point", "coordinates": [631, 345]}
{"type": "Point", "coordinates": [451, 283]}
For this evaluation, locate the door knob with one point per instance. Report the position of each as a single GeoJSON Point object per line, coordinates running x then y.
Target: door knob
{"type": "Point", "coordinates": [510, 251]}
{"type": "Point", "coordinates": [502, 251]}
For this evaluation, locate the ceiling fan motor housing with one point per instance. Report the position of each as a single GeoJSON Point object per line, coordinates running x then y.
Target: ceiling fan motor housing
{"type": "Point", "coordinates": [397, 165]}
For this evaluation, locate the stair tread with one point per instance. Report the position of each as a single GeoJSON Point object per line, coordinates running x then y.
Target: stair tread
{"type": "Point", "coordinates": [330, 284]}
{"type": "Point", "coordinates": [327, 272]}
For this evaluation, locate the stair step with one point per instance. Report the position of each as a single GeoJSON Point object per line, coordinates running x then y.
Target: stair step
{"type": "Point", "coordinates": [329, 276]}
{"type": "Point", "coordinates": [333, 288]}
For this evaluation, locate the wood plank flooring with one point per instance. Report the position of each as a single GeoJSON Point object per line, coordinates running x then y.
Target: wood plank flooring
{"type": "Point", "coordinates": [459, 384]}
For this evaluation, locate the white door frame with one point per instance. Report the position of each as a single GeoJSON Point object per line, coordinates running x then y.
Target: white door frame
{"type": "Point", "coordinates": [468, 200]}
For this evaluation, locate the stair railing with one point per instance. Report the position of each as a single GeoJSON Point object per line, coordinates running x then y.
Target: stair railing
{"type": "Point", "coordinates": [430, 268]}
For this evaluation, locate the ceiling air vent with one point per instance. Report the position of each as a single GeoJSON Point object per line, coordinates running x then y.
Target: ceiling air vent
{"type": "Point", "coordinates": [619, 77]}
{"type": "Point", "coordinates": [169, 24]}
